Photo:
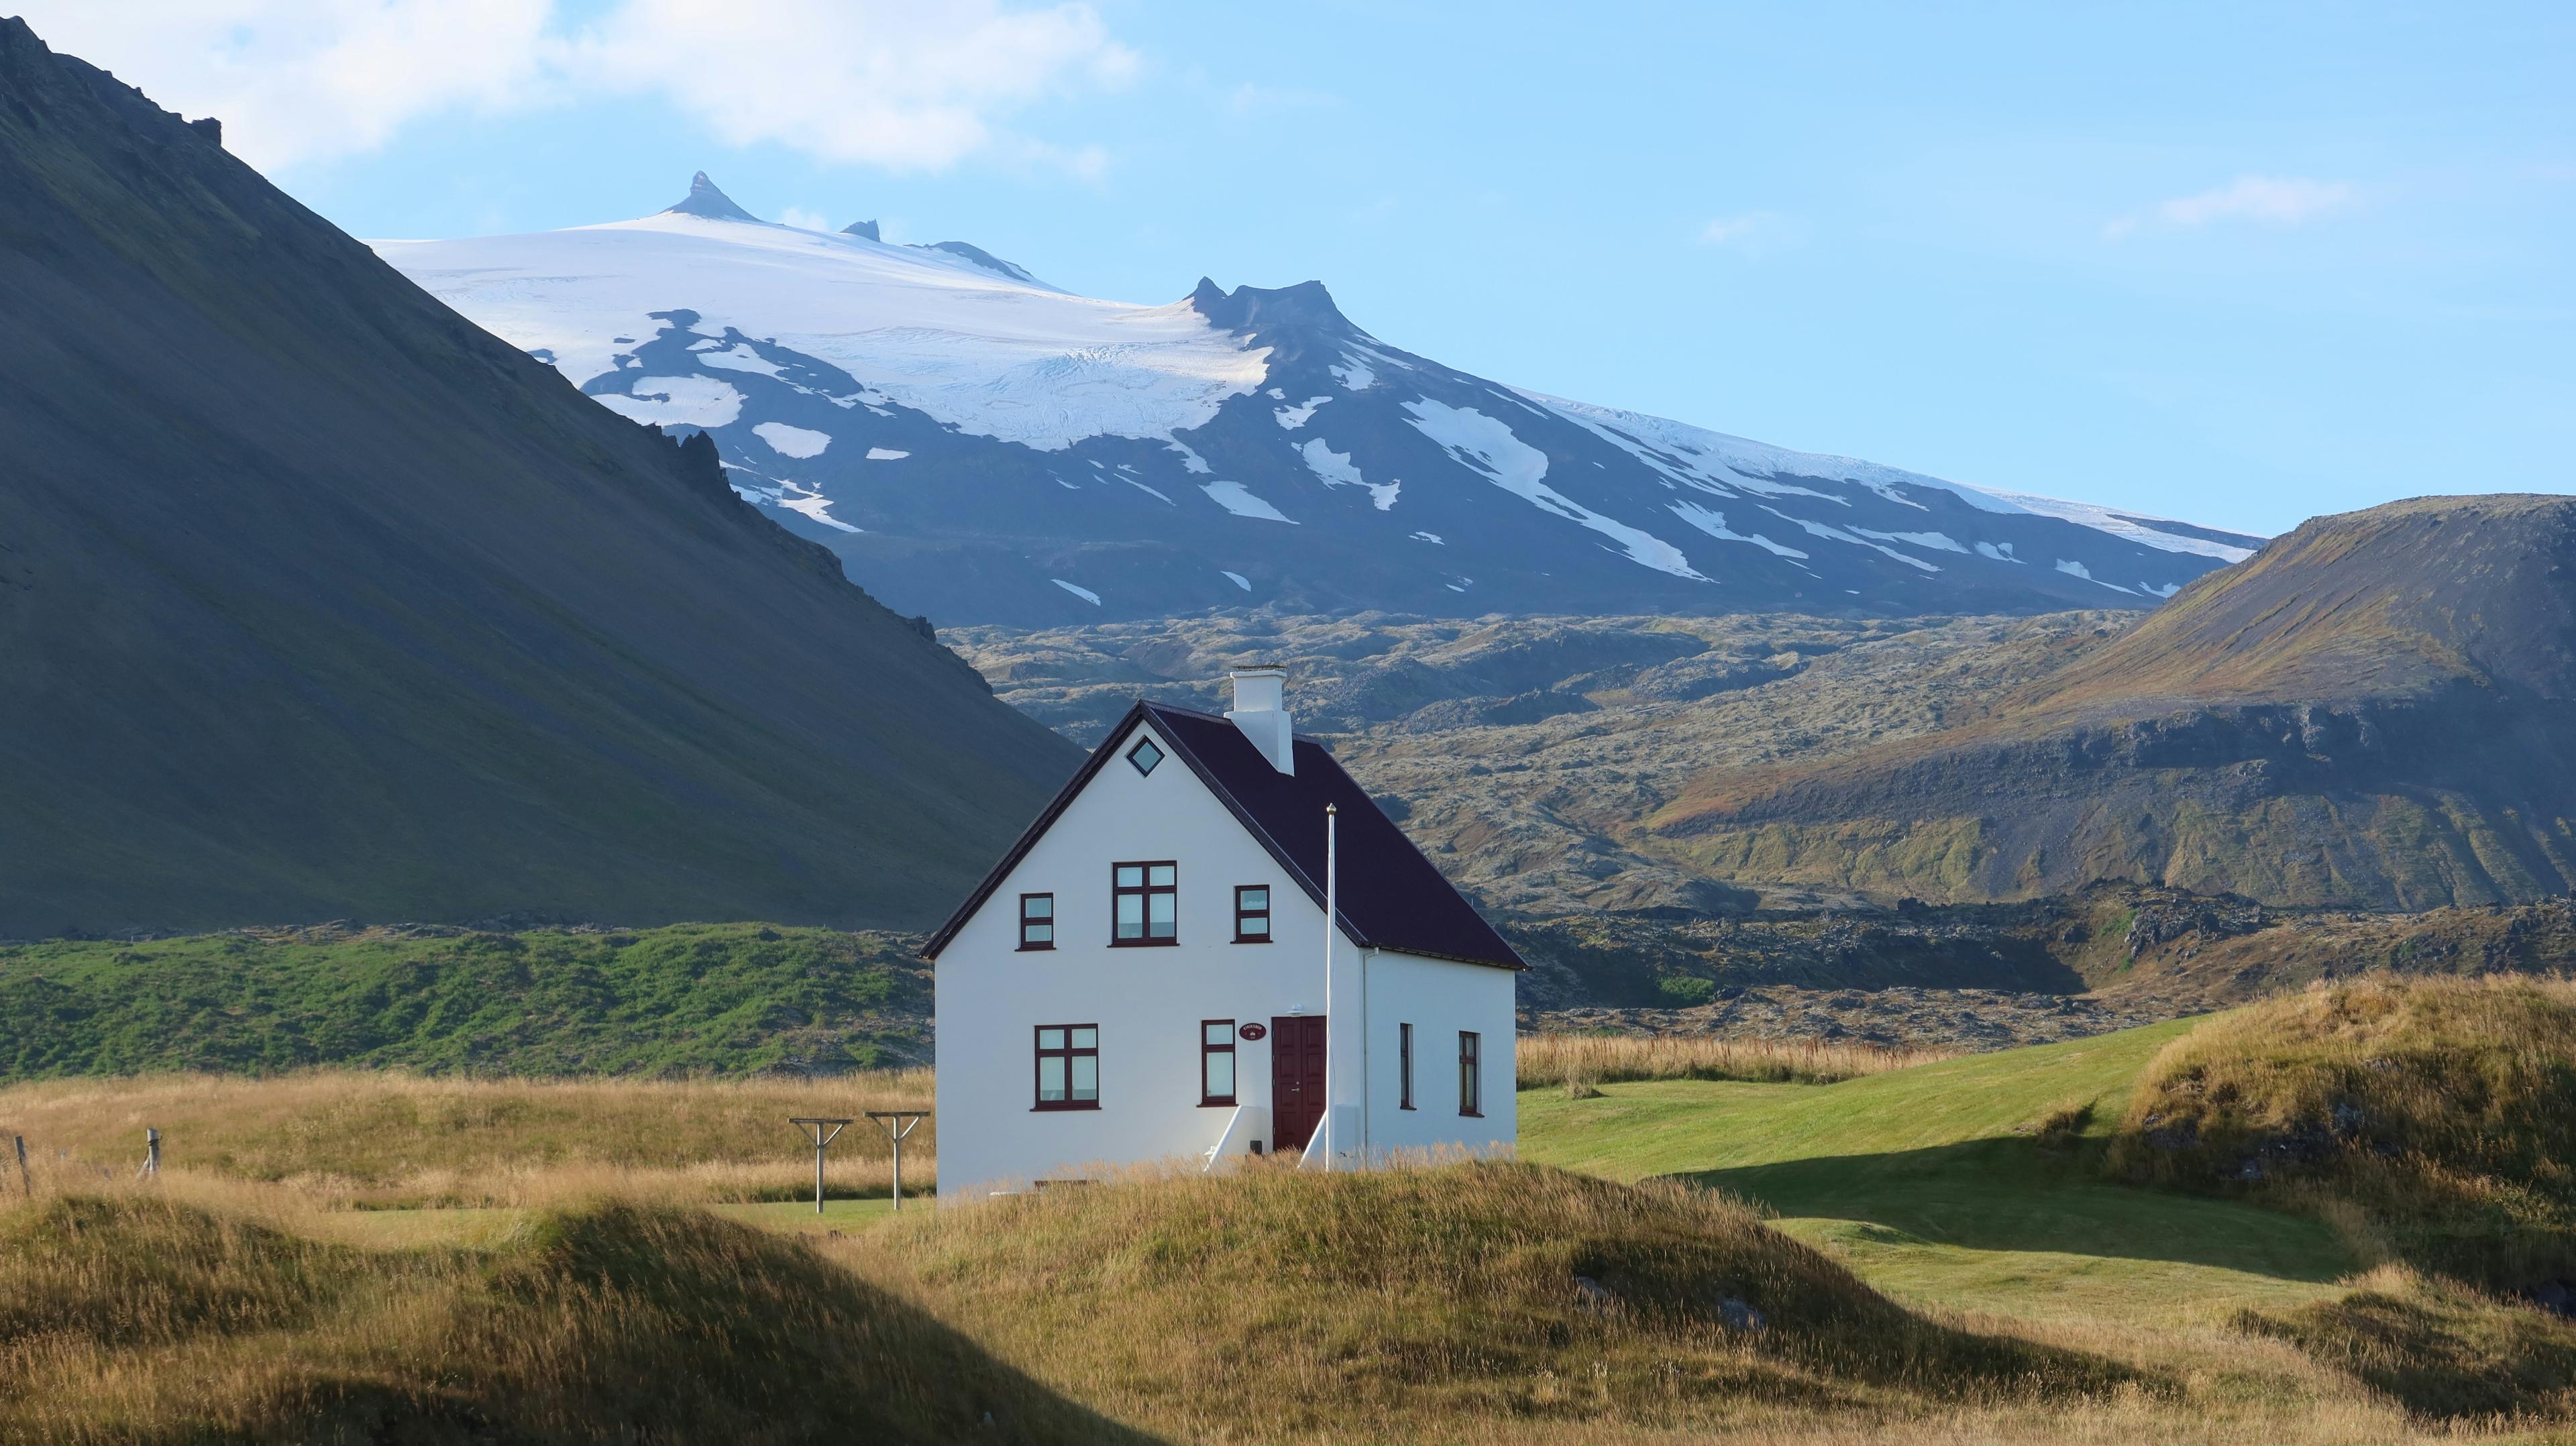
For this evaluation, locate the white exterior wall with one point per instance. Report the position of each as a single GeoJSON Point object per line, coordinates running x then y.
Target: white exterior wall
{"type": "Point", "coordinates": [1149, 1002]}
{"type": "Point", "coordinates": [1438, 998]}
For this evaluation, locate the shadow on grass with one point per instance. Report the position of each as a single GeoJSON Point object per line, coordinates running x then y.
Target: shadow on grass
{"type": "Point", "coordinates": [616, 1323]}
{"type": "Point", "coordinates": [2004, 1194]}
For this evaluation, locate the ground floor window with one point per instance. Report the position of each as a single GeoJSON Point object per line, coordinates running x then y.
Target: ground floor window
{"type": "Point", "coordinates": [1471, 1073]}
{"type": "Point", "coordinates": [1068, 1066]}
{"type": "Point", "coordinates": [1404, 1066]}
{"type": "Point", "coordinates": [1216, 1061]}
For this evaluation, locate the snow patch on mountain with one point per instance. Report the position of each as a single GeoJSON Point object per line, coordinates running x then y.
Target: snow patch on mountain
{"type": "Point", "coordinates": [1714, 524]}
{"type": "Point", "coordinates": [677, 402]}
{"type": "Point", "coordinates": [1291, 418]}
{"type": "Point", "coordinates": [1084, 593]}
{"type": "Point", "coordinates": [1836, 534]}
{"type": "Point", "coordinates": [2077, 569]}
{"type": "Point", "coordinates": [2162, 533]}
{"type": "Point", "coordinates": [797, 442]}
{"type": "Point", "coordinates": [1334, 469]}
{"type": "Point", "coordinates": [1699, 457]}
{"type": "Point", "coordinates": [1236, 498]}
{"type": "Point", "coordinates": [887, 454]}
{"type": "Point", "coordinates": [740, 357]}
{"type": "Point", "coordinates": [1486, 445]}
{"type": "Point", "coordinates": [1939, 540]}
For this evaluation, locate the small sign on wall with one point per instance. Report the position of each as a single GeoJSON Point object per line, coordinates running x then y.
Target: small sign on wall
{"type": "Point", "coordinates": [1254, 1031]}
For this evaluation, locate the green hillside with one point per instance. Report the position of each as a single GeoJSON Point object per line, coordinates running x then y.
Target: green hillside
{"type": "Point", "coordinates": [717, 999]}
{"type": "Point", "coordinates": [1962, 1183]}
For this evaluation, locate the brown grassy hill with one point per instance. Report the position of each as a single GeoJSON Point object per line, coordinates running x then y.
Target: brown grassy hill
{"type": "Point", "coordinates": [316, 601]}
{"type": "Point", "coordinates": [2374, 711]}
{"type": "Point", "coordinates": [2442, 1110]}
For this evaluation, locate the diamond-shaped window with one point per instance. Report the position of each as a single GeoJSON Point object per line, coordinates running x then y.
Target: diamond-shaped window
{"type": "Point", "coordinates": [1145, 755]}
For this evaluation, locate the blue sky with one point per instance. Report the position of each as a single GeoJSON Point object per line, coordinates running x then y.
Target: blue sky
{"type": "Point", "coordinates": [2232, 263]}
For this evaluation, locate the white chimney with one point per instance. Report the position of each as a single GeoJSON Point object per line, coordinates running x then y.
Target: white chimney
{"type": "Point", "coordinates": [1262, 714]}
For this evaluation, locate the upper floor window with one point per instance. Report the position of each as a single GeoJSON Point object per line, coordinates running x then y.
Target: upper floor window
{"type": "Point", "coordinates": [1471, 1073]}
{"type": "Point", "coordinates": [1145, 903]}
{"type": "Point", "coordinates": [1252, 914]}
{"type": "Point", "coordinates": [1145, 755]}
{"type": "Point", "coordinates": [1068, 1067]}
{"type": "Point", "coordinates": [1037, 921]}
{"type": "Point", "coordinates": [1216, 1061]}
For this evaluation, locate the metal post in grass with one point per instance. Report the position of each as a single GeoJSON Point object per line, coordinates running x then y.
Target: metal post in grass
{"type": "Point", "coordinates": [26, 1181]}
{"type": "Point", "coordinates": [814, 1130]}
{"type": "Point", "coordinates": [897, 1124]}
{"type": "Point", "coordinates": [151, 1156]}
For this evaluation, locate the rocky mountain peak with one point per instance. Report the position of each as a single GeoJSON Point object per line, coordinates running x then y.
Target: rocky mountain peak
{"type": "Point", "coordinates": [704, 200]}
{"type": "Point", "coordinates": [1306, 306]}
{"type": "Point", "coordinates": [865, 230]}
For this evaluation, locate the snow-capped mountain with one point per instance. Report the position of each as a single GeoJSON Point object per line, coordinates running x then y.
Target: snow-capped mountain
{"type": "Point", "coordinates": [979, 445]}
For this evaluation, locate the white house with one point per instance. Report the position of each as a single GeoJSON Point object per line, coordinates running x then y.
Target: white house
{"type": "Point", "coordinates": [1143, 977]}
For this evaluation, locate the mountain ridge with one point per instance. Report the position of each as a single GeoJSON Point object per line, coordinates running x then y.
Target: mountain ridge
{"type": "Point", "coordinates": [984, 448]}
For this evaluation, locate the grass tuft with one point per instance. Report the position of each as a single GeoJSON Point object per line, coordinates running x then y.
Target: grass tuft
{"type": "Point", "coordinates": [1490, 1288]}
{"type": "Point", "coordinates": [2442, 1349]}
{"type": "Point", "coordinates": [135, 1316]}
{"type": "Point", "coordinates": [1544, 1060]}
{"type": "Point", "coordinates": [2434, 1118]}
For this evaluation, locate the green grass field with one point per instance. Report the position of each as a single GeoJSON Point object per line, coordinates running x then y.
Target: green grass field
{"type": "Point", "coordinates": [681, 1000]}
{"type": "Point", "coordinates": [1937, 1185]}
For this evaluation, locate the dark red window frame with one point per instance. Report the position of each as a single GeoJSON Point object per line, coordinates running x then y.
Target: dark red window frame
{"type": "Point", "coordinates": [1145, 891]}
{"type": "Point", "coordinates": [1047, 920]}
{"type": "Point", "coordinates": [1471, 1074]}
{"type": "Point", "coordinates": [1404, 1065]}
{"type": "Point", "coordinates": [1067, 1052]}
{"type": "Point", "coordinates": [1211, 1032]}
{"type": "Point", "coordinates": [1244, 912]}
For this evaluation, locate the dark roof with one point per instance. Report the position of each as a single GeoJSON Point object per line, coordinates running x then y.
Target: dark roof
{"type": "Point", "coordinates": [1390, 896]}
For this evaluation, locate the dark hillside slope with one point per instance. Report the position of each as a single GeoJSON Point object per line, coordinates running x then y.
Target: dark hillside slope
{"type": "Point", "coordinates": [317, 601]}
{"type": "Point", "coordinates": [2378, 710]}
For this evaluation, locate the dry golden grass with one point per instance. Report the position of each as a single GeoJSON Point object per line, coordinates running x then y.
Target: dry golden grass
{"type": "Point", "coordinates": [132, 1314]}
{"type": "Point", "coordinates": [1579, 1060]}
{"type": "Point", "coordinates": [2433, 1119]}
{"type": "Point", "coordinates": [234, 1299]}
{"type": "Point", "coordinates": [372, 1140]}
{"type": "Point", "coordinates": [1442, 1305]}
{"type": "Point", "coordinates": [1434, 1304]}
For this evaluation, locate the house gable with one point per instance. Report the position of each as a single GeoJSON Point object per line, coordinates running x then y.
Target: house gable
{"type": "Point", "coordinates": [1390, 896]}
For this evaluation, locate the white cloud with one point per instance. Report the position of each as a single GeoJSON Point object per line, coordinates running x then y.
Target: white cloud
{"type": "Point", "coordinates": [890, 83]}
{"type": "Point", "coordinates": [1752, 231]}
{"type": "Point", "coordinates": [2272, 200]}
{"type": "Point", "coordinates": [300, 80]}
{"type": "Point", "coordinates": [804, 220]}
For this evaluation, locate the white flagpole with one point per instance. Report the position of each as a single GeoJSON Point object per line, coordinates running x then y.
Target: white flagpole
{"type": "Point", "coordinates": [1332, 1026]}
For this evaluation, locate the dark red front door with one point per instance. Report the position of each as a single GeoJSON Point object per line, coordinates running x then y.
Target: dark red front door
{"type": "Point", "coordinates": [1296, 1080]}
